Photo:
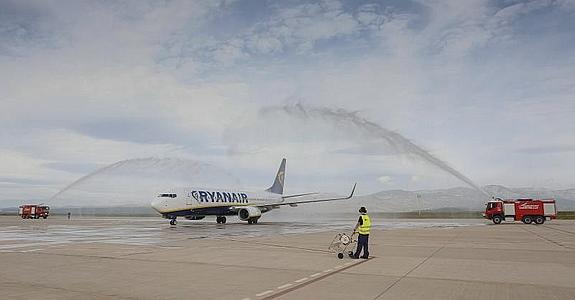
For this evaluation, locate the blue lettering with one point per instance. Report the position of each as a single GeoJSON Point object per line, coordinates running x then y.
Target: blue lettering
{"type": "Point", "coordinates": [234, 197]}
{"type": "Point", "coordinates": [227, 197]}
{"type": "Point", "coordinates": [219, 197]}
{"type": "Point", "coordinates": [244, 198]}
{"type": "Point", "coordinates": [212, 194]}
{"type": "Point", "coordinates": [203, 196]}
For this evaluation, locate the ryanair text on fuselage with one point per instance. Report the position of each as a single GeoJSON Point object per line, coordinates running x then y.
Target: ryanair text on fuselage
{"type": "Point", "coordinates": [207, 196]}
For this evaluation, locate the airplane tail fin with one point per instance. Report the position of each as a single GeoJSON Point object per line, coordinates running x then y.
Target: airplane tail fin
{"type": "Point", "coordinates": [278, 186]}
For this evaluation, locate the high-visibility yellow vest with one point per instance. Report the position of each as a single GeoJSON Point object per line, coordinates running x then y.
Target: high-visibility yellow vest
{"type": "Point", "coordinates": [364, 228]}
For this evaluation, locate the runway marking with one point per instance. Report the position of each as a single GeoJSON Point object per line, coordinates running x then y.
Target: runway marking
{"type": "Point", "coordinates": [264, 293]}
{"type": "Point", "coordinates": [284, 286]}
{"type": "Point", "coordinates": [26, 245]}
{"type": "Point", "coordinates": [327, 271]}
{"type": "Point", "coordinates": [418, 265]}
{"type": "Point", "coordinates": [31, 250]}
{"type": "Point", "coordinates": [302, 282]}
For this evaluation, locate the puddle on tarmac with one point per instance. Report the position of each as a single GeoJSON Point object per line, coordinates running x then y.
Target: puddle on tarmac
{"type": "Point", "coordinates": [156, 231]}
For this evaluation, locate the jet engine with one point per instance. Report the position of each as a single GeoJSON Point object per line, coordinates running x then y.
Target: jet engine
{"type": "Point", "coordinates": [249, 212]}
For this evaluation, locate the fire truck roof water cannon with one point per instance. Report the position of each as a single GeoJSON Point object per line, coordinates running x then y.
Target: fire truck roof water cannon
{"type": "Point", "coordinates": [525, 210]}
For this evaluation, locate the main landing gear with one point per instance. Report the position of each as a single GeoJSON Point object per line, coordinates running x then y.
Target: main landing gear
{"type": "Point", "coordinates": [221, 220]}
{"type": "Point", "coordinates": [253, 221]}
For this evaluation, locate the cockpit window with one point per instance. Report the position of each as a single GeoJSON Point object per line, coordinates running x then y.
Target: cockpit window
{"type": "Point", "coordinates": [167, 195]}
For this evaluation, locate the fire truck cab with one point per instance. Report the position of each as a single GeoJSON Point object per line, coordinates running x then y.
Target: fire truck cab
{"type": "Point", "coordinates": [525, 210]}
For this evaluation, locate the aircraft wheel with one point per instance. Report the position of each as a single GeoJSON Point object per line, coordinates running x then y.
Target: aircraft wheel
{"type": "Point", "coordinates": [255, 221]}
{"type": "Point", "coordinates": [218, 219]}
{"type": "Point", "coordinates": [250, 221]}
{"type": "Point", "coordinates": [223, 220]}
{"type": "Point", "coordinates": [173, 222]}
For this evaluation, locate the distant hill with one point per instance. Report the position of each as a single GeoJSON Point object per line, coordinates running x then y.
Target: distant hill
{"type": "Point", "coordinates": [453, 199]}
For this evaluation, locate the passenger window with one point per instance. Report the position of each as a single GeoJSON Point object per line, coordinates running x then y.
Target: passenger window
{"type": "Point", "coordinates": [168, 195]}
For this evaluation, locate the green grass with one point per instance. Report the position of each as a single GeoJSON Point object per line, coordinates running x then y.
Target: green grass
{"type": "Point", "coordinates": [562, 215]}
{"type": "Point", "coordinates": [432, 215]}
{"type": "Point", "coordinates": [566, 215]}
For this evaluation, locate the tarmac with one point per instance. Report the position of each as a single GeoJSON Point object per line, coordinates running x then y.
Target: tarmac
{"type": "Point", "coordinates": [145, 258]}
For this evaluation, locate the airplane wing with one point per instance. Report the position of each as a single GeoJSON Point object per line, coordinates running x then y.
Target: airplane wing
{"type": "Point", "coordinates": [295, 203]}
{"type": "Point", "coordinates": [298, 195]}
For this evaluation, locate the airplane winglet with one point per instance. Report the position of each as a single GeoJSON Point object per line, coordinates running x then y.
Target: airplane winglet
{"type": "Point", "coordinates": [352, 191]}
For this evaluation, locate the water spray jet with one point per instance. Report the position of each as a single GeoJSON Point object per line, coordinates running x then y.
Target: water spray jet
{"type": "Point", "coordinates": [342, 117]}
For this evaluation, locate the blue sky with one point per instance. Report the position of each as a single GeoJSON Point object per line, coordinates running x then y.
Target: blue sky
{"type": "Point", "coordinates": [487, 86]}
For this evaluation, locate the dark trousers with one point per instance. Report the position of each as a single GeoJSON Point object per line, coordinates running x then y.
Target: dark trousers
{"type": "Point", "coordinates": [362, 241]}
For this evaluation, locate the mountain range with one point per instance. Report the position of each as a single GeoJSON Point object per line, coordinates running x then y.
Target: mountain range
{"type": "Point", "coordinates": [459, 198]}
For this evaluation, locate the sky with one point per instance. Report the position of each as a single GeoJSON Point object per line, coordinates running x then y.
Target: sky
{"type": "Point", "coordinates": [485, 86]}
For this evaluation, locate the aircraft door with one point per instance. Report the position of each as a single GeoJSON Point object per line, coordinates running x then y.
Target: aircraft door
{"type": "Point", "coordinates": [189, 199]}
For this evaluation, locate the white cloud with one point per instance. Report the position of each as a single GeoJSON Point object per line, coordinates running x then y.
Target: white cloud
{"type": "Point", "coordinates": [385, 179]}
{"type": "Point", "coordinates": [466, 79]}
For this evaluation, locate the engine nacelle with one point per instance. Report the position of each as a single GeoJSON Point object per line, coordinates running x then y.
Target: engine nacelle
{"type": "Point", "coordinates": [194, 217]}
{"type": "Point", "coordinates": [249, 212]}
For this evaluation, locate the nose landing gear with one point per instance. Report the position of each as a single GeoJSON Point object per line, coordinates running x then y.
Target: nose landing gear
{"type": "Point", "coordinates": [221, 220]}
{"type": "Point", "coordinates": [173, 222]}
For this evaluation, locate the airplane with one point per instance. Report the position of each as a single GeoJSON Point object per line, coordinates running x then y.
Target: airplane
{"type": "Point", "coordinates": [195, 203]}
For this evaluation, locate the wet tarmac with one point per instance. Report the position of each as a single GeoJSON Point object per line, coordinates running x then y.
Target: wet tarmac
{"type": "Point", "coordinates": [58, 230]}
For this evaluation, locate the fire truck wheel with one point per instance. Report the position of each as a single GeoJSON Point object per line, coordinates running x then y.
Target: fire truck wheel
{"type": "Point", "coordinates": [539, 220]}
{"type": "Point", "coordinates": [44, 217]}
{"type": "Point", "coordinates": [497, 219]}
{"type": "Point", "coordinates": [527, 220]}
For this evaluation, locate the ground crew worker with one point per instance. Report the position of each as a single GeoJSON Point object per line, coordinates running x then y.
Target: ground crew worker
{"type": "Point", "coordinates": [362, 227]}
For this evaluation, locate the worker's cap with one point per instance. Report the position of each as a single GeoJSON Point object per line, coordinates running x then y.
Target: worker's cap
{"type": "Point", "coordinates": [362, 210]}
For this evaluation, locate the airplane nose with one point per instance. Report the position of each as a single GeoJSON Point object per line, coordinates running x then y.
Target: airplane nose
{"type": "Point", "coordinates": [157, 204]}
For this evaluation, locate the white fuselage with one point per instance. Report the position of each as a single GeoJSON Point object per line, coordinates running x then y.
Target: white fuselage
{"type": "Point", "coordinates": [210, 201]}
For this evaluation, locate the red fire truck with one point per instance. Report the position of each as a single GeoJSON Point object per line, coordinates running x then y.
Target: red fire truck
{"type": "Point", "coordinates": [525, 210]}
{"type": "Point", "coordinates": [33, 211]}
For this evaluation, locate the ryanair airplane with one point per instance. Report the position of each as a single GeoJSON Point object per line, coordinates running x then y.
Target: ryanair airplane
{"type": "Point", "coordinates": [197, 203]}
